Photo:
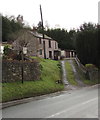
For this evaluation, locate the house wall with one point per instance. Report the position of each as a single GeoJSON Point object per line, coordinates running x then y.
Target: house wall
{"type": "Point", "coordinates": [35, 46]}
{"type": "Point", "coordinates": [63, 53]}
{"type": "Point", "coordinates": [70, 53]}
{"type": "Point", "coordinates": [28, 41]}
{"type": "Point", "coordinates": [67, 54]}
{"type": "Point", "coordinates": [40, 48]}
{"type": "Point", "coordinates": [54, 46]}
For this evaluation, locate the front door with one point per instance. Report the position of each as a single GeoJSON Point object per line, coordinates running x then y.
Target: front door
{"type": "Point", "coordinates": [50, 54]}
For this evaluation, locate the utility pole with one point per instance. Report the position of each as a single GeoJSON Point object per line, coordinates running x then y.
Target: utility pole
{"type": "Point", "coordinates": [43, 32]}
{"type": "Point", "coordinates": [42, 20]}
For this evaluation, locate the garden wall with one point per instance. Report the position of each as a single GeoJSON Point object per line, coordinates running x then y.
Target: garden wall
{"type": "Point", "coordinates": [12, 70]}
{"type": "Point", "coordinates": [91, 74]}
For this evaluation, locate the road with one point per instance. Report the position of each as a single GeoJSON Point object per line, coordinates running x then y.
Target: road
{"type": "Point", "coordinates": [79, 103]}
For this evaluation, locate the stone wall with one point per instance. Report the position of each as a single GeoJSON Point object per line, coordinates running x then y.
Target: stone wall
{"type": "Point", "coordinates": [93, 74]}
{"type": "Point", "coordinates": [90, 73]}
{"type": "Point", "coordinates": [12, 70]}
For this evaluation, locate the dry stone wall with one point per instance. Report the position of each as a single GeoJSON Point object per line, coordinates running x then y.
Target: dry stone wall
{"type": "Point", "coordinates": [12, 70]}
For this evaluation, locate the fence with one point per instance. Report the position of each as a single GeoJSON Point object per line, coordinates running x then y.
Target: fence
{"type": "Point", "coordinates": [82, 67]}
{"type": "Point", "coordinates": [12, 70]}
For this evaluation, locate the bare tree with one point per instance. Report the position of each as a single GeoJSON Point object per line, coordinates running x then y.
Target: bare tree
{"type": "Point", "coordinates": [25, 38]}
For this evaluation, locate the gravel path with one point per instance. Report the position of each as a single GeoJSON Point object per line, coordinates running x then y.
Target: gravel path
{"type": "Point", "coordinates": [68, 86]}
{"type": "Point", "coordinates": [65, 81]}
{"type": "Point", "coordinates": [77, 77]}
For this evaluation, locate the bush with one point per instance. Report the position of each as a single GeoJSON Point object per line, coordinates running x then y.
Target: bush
{"type": "Point", "coordinates": [6, 49]}
{"type": "Point", "coordinates": [90, 67]}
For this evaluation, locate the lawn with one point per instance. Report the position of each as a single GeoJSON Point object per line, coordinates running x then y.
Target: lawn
{"type": "Point", "coordinates": [70, 74]}
{"type": "Point", "coordinates": [50, 73]}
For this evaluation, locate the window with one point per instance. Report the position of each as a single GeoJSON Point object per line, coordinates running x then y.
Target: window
{"type": "Point", "coordinates": [40, 51]}
{"type": "Point", "coordinates": [49, 44]}
{"type": "Point", "coordinates": [40, 41]}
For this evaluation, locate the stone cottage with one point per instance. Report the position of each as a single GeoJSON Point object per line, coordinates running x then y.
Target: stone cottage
{"type": "Point", "coordinates": [37, 46]}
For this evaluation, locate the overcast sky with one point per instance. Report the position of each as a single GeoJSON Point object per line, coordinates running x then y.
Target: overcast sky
{"type": "Point", "coordinates": [66, 14]}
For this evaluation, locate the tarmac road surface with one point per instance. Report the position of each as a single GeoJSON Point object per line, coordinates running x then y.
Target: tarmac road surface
{"type": "Point", "coordinates": [79, 103]}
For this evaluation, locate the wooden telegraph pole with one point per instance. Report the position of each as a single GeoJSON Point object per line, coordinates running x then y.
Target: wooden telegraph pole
{"type": "Point", "coordinates": [43, 32]}
{"type": "Point", "coordinates": [42, 20]}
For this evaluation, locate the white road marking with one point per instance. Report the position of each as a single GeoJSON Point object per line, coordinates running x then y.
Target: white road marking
{"type": "Point", "coordinates": [73, 107]}
{"type": "Point", "coordinates": [89, 101]}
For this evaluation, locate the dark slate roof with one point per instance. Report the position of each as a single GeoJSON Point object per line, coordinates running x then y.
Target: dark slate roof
{"type": "Point", "coordinates": [38, 35]}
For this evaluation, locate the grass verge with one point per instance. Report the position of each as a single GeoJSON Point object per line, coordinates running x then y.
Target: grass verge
{"type": "Point", "coordinates": [70, 74]}
{"type": "Point", "coordinates": [89, 82]}
{"type": "Point", "coordinates": [51, 72]}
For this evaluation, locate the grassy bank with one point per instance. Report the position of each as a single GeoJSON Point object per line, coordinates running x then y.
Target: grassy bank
{"type": "Point", "coordinates": [50, 73]}
{"type": "Point", "coordinates": [83, 76]}
{"type": "Point", "coordinates": [70, 74]}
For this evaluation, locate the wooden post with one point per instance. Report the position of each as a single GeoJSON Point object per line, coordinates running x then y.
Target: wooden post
{"type": "Point", "coordinates": [22, 67]}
